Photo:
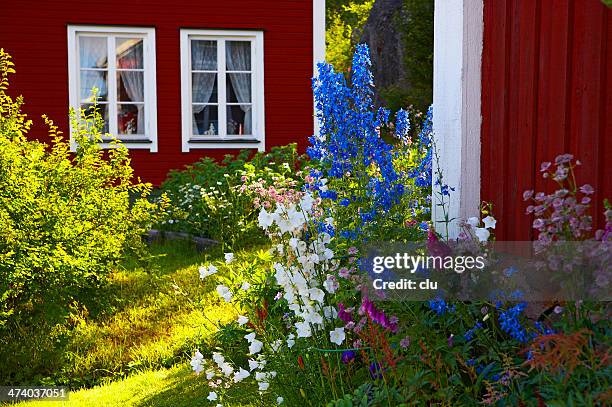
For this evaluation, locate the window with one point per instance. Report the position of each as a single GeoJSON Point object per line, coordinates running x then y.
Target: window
{"type": "Point", "coordinates": [120, 63]}
{"type": "Point", "coordinates": [222, 89]}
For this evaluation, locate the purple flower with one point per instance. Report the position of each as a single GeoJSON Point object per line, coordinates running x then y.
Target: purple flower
{"type": "Point", "coordinates": [563, 158]}
{"type": "Point", "coordinates": [348, 356]}
{"type": "Point", "coordinates": [538, 224]}
{"type": "Point", "coordinates": [561, 173]}
{"type": "Point", "coordinates": [375, 371]}
{"type": "Point", "coordinates": [527, 194]}
{"type": "Point", "coordinates": [557, 203]}
{"type": "Point", "coordinates": [587, 189]}
{"type": "Point", "coordinates": [376, 315]}
{"type": "Point", "coordinates": [405, 342]}
{"type": "Point", "coordinates": [344, 314]}
{"type": "Point", "coordinates": [545, 166]}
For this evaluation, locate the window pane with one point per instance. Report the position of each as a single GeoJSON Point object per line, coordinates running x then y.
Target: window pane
{"type": "Point", "coordinates": [130, 87]}
{"type": "Point", "coordinates": [90, 80]}
{"type": "Point", "coordinates": [238, 55]}
{"type": "Point", "coordinates": [205, 120]}
{"type": "Point", "coordinates": [93, 52]}
{"type": "Point", "coordinates": [130, 119]}
{"type": "Point", "coordinates": [203, 55]}
{"type": "Point", "coordinates": [204, 87]}
{"type": "Point", "coordinates": [239, 88]}
{"type": "Point", "coordinates": [129, 53]}
{"type": "Point", "coordinates": [239, 120]}
{"type": "Point", "coordinates": [102, 111]}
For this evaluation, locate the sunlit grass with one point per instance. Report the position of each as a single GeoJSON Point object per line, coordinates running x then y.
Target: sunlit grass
{"type": "Point", "coordinates": [151, 315]}
{"type": "Point", "coordinates": [159, 321]}
{"type": "Point", "coordinates": [137, 350]}
{"type": "Point", "coordinates": [177, 386]}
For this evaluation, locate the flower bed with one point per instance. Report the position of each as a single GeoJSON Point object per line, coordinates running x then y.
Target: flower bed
{"type": "Point", "coordinates": [310, 332]}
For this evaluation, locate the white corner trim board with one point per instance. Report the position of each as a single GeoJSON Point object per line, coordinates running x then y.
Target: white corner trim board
{"type": "Point", "coordinates": [318, 43]}
{"type": "Point", "coordinates": [458, 33]}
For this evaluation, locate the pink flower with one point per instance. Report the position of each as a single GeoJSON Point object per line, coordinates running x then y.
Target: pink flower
{"type": "Point", "coordinates": [344, 272]}
{"type": "Point", "coordinates": [560, 173]}
{"type": "Point", "coordinates": [527, 194]}
{"type": "Point", "coordinates": [538, 224]}
{"type": "Point", "coordinates": [587, 189]}
{"type": "Point", "coordinates": [544, 166]}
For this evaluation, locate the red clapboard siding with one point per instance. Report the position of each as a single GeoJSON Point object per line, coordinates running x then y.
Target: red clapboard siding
{"type": "Point", "coordinates": [546, 90]}
{"type": "Point", "coordinates": [35, 34]}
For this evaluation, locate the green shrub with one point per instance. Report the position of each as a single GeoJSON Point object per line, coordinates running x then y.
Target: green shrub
{"type": "Point", "coordinates": [214, 199]}
{"type": "Point", "coordinates": [66, 217]}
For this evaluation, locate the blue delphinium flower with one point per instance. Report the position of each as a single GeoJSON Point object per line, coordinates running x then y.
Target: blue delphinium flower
{"type": "Point", "coordinates": [544, 330]}
{"type": "Point", "coordinates": [509, 322]}
{"type": "Point", "coordinates": [402, 125]}
{"type": "Point", "coordinates": [469, 335]}
{"type": "Point", "coordinates": [349, 141]}
{"type": "Point", "coordinates": [508, 272]}
{"type": "Point", "coordinates": [440, 306]}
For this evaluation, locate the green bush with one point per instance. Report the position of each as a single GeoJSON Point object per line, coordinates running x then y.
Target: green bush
{"type": "Point", "coordinates": [65, 217]}
{"type": "Point", "coordinates": [216, 200]}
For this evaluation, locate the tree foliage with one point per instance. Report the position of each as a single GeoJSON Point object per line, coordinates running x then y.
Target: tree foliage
{"type": "Point", "coordinates": [66, 218]}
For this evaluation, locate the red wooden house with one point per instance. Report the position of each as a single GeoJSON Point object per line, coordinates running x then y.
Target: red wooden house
{"type": "Point", "coordinates": [176, 80]}
{"type": "Point", "coordinates": [516, 83]}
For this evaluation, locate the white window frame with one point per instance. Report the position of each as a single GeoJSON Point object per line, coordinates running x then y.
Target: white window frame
{"type": "Point", "coordinates": [150, 90]}
{"type": "Point", "coordinates": [257, 140]}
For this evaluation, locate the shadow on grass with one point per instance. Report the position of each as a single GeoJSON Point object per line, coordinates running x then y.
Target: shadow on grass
{"type": "Point", "coordinates": [131, 318]}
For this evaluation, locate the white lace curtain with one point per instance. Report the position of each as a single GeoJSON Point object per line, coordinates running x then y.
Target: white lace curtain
{"type": "Point", "coordinates": [203, 57]}
{"type": "Point", "coordinates": [93, 54]}
{"type": "Point", "coordinates": [238, 56]}
{"type": "Point", "coordinates": [133, 81]}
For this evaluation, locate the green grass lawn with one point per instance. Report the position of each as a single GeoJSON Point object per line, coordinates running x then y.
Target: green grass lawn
{"type": "Point", "coordinates": [136, 351]}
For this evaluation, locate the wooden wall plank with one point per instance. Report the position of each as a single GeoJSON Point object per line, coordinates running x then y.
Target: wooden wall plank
{"type": "Point", "coordinates": [551, 96]}
{"type": "Point", "coordinates": [35, 34]}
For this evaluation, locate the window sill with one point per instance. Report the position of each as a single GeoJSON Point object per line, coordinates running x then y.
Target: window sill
{"type": "Point", "coordinates": [236, 143]}
{"type": "Point", "coordinates": [226, 141]}
{"type": "Point", "coordinates": [127, 141]}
